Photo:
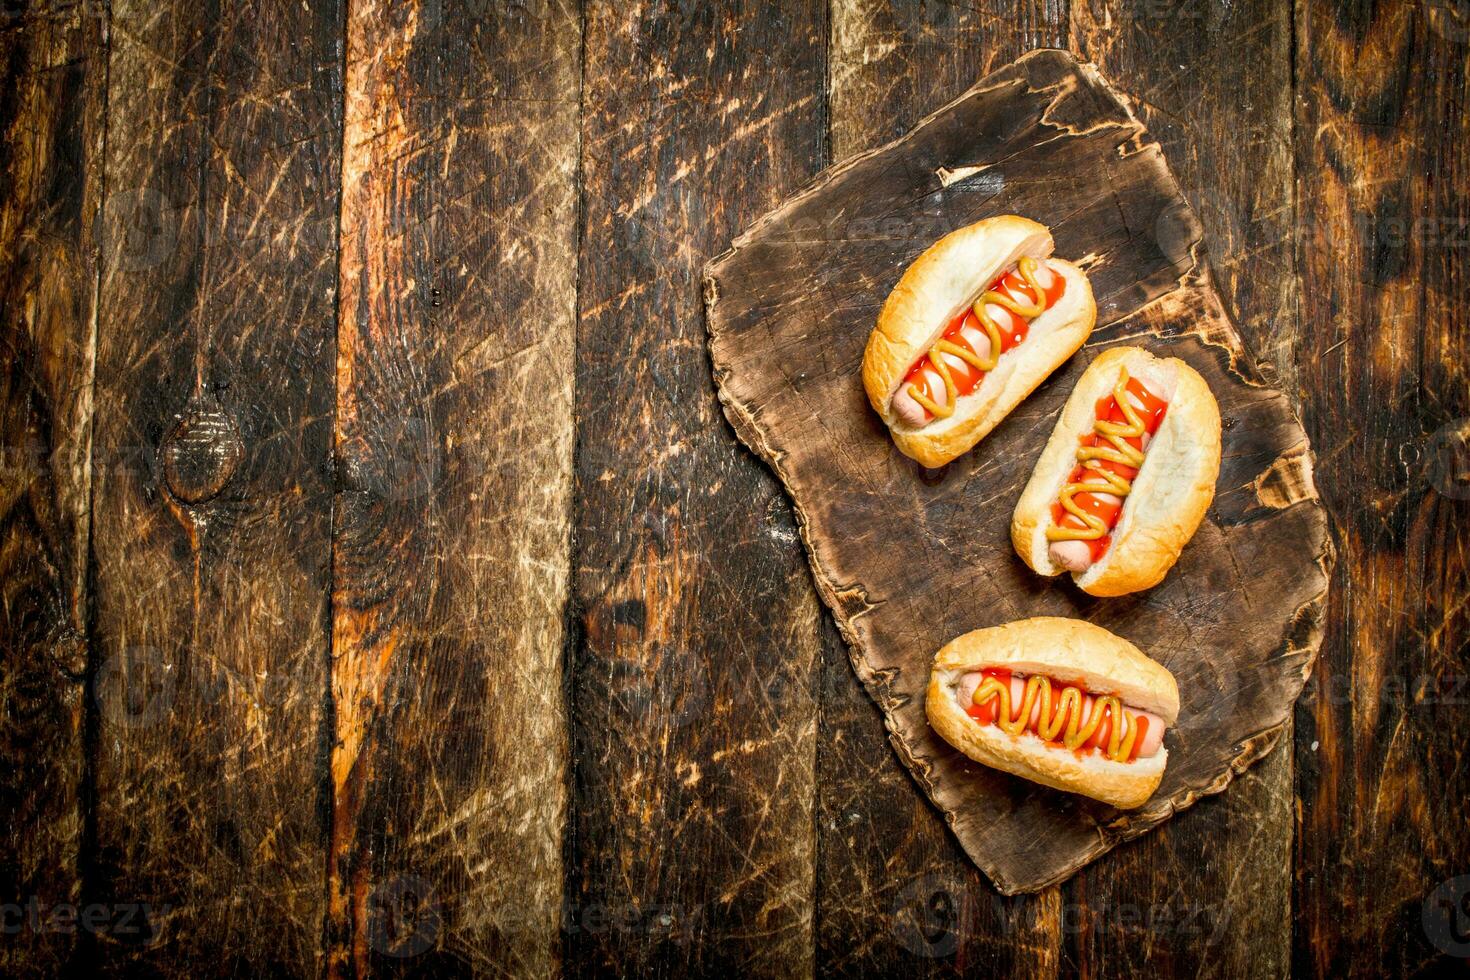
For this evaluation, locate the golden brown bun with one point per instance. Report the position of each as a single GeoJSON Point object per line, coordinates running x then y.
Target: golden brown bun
{"type": "Point", "coordinates": [1070, 651]}
{"type": "Point", "coordinates": [1171, 492]}
{"type": "Point", "coordinates": [946, 279]}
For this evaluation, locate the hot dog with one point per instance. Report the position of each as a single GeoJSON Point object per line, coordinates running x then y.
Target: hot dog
{"type": "Point", "coordinates": [1060, 702]}
{"type": "Point", "coordinates": [1126, 476]}
{"type": "Point", "coordinates": [972, 327]}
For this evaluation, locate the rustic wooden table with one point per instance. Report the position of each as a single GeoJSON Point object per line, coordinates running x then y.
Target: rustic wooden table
{"type": "Point", "coordinates": [384, 592]}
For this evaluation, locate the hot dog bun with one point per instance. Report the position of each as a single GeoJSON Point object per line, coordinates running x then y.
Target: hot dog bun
{"type": "Point", "coordinates": [1172, 491]}
{"type": "Point", "coordinates": [942, 282]}
{"type": "Point", "coordinates": [1073, 652]}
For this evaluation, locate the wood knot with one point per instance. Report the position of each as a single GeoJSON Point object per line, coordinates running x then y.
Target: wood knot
{"type": "Point", "coordinates": [201, 454]}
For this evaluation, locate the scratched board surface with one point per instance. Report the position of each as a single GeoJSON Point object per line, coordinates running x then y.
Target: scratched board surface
{"type": "Point", "coordinates": [321, 653]}
{"type": "Point", "coordinates": [908, 558]}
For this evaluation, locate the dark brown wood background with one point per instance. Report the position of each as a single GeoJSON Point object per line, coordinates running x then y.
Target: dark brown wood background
{"type": "Point", "coordinates": [384, 593]}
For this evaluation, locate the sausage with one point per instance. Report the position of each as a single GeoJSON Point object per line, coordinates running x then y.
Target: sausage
{"type": "Point", "coordinates": [1108, 745]}
{"type": "Point", "coordinates": [1076, 556]}
{"type": "Point", "coordinates": [906, 410]}
{"type": "Point", "coordinates": [1153, 735]}
{"type": "Point", "coordinates": [965, 689]}
{"type": "Point", "coordinates": [903, 405]}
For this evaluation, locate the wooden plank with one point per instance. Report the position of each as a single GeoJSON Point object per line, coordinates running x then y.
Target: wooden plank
{"type": "Point", "coordinates": [1384, 252]}
{"type": "Point", "coordinates": [895, 62]}
{"type": "Point", "coordinates": [51, 124]}
{"type": "Point", "coordinates": [894, 890]}
{"type": "Point", "coordinates": [1213, 84]}
{"type": "Point", "coordinates": [212, 504]}
{"type": "Point", "coordinates": [1238, 619]}
{"type": "Point", "coordinates": [693, 710]}
{"type": "Point", "coordinates": [454, 440]}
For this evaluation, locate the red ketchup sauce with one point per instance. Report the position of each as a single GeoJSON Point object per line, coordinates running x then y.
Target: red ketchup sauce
{"type": "Point", "coordinates": [1013, 330]}
{"type": "Point", "coordinates": [1152, 410]}
{"type": "Point", "coordinates": [988, 714]}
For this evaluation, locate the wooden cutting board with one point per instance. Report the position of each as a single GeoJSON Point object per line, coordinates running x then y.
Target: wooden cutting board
{"type": "Point", "coordinates": [908, 558]}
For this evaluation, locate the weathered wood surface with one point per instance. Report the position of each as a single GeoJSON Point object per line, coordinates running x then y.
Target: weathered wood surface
{"type": "Point", "coordinates": [212, 510]}
{"type": "Point", "coordinates": [712, 756]}
{"type": "Point", "coordinates": [51, 123]}
{"type": "Point", "coordinates": [453, 445]}
{"type": "Point", "coordinates": [1238, 620]}
{"type": "Point", "coordinates": [691, 697]}
{"type": "Point", "coordinates": [1383, 255]}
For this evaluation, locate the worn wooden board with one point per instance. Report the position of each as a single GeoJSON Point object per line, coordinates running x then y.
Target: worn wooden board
{"type": "Point", "coordinates": [789, 308]}
{"type": "Point", "coordinates": [451, 543]}
{"type": "Point", "coordinates": [52, 100]}
{"type": "Point", "coordinates": [211, 501]}
{"type": "Point", "coordinates": [1383, 250]}
{"type": "Point", "coordinates": [693, 719]}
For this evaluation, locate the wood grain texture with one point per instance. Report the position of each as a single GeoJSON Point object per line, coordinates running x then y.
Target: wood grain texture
{"type": "Point", "coordinates": [54, 69]}
{"type": "Point", "coordinates": [693, 715]}
{"type": "Point", "coordinates": [454, 445]}
{"type": "Point", "coordinates": [899, 598]}
{"type": "Point", "coordinates": [180, 728]}
{"type": "Point", "coordinates": [1213, 85]}
{"type": "Point", "coordinates": [211, 514]}
{"type": "Point", "coordinates": [895, 61]}
{"type": "Point", "coordinates": [895, 892]}
{"type": "Point", "coordinates": [1384, 254]}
